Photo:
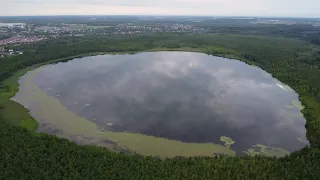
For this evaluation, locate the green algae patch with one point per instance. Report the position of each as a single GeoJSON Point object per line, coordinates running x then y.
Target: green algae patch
{"type": "Point", "coordinates": [227, 141]}
{"type": "Point", "coordinates": [55, 119]}
{"type": "Point", "coordinates": [289, 106]}
{"type": "Point", "coordinates": [297, 104]}
{"type": "Point", "coordinates": [264, 150]}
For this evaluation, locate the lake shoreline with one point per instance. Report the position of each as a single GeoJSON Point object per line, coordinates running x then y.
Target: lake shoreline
{"type": "Point", "coordinates": [86, 55]}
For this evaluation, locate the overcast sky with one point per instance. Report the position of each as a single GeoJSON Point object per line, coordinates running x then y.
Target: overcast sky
{"type": "Point", "coordinates": [288, 8]}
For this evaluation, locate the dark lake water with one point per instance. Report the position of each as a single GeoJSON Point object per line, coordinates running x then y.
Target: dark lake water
{"type": "Point", "coordinates": [190, 97]}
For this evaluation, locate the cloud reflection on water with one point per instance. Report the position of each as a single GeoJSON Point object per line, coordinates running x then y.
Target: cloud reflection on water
{"type": "Point", "coordinates": [191, 97]}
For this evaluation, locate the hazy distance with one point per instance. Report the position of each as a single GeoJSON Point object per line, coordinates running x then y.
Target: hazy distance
{"type": "Point", "coordinates": [280, 8]}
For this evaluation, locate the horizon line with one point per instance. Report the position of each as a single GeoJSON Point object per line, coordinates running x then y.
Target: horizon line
{"type": "Point", "coordinates": [154, 15]}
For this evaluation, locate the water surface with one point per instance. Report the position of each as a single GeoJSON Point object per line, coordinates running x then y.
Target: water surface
{"type": "Point", "coordinates": [190, 97]}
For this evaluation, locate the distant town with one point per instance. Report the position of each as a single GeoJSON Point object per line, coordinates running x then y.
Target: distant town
{"type": "Point", "coordinates": [30, 32]}
{"type": "Point", "coordinates": [46, 28]}
{"type": "Point", "coordinates": [20, 39]}
{"type": "Point", "coordinates": [20, 33]}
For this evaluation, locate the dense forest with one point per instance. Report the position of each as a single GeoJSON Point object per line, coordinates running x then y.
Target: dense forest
{"type": "Point", "coordinates": [306, 32]}
{"type": "Point", "coordinates": [27, 155]}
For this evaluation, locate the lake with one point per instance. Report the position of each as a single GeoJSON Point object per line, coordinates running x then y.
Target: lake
{"type": "Point", "coordinates": [188, 97]}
